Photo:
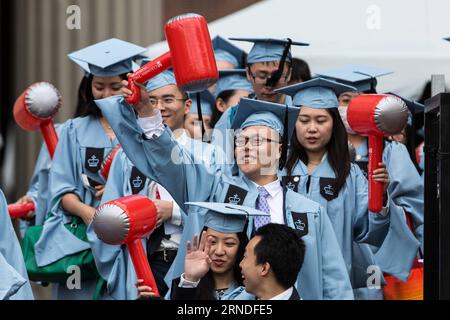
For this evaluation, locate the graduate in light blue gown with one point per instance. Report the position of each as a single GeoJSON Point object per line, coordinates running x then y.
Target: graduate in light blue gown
{"type": "Point", "coordinates": [411, 194]}
{"type": "Point", "coordinates": [152, 148]}
{"type": "Point", "coordinates": [232, 85]}
{"type": "Point", "coordinates": [406, 191]}
{"type": "Point", "coordinates": [76, 184]}
{"type": "Point", "coordinates": [194, 127]}
{"type": "Point", "coordinates": [228, 56]}
{"type": "Point", "coordinates": [14, 283]}
{"type": "Point", "coordinates": [406, 188]}
{"type": "Point", "coordinates": [215, 268]}
{"type": "Point", "coordinates": [319, 167]}
{"type": "Point", "coordinates": [113, 262]}
{"type": "Point", "coordinates": [221, 279]}
{"type": "Point", "coordinates": [268, 67]}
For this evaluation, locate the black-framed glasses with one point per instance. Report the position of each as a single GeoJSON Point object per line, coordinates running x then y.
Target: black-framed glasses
{"type": "Point", "coordinates": [263, 78]}
{"type": "Point", "coordinates": [164, 101]}
{"type": "Point", "coordinates": [255, 141]}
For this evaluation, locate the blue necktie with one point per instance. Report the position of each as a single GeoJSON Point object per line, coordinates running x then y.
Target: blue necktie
{"type": "Point", "coordinates": [263, 205]}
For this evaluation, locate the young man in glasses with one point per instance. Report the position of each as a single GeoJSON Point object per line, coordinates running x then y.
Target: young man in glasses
{"type": "Point", "coordinates": [268, 68]}
{"type": "Point", "coordinates": [151, 147]}
{"type": "Point", "coordinates": [113, 262]}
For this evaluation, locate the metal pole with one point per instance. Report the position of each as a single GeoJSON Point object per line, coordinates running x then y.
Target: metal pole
{"type": "Point", "coordinates": [431, 214]}
{"type": "Point", "coordinates": [437, 192]}
{"type": "Point", "coordinates": [443, 189]}
{"type": "Point", "coordinates": [431, 197]}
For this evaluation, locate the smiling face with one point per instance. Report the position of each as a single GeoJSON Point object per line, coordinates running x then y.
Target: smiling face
{"type": "Point", "coordinates": [258, 73]}
{"type": "Point", "coordinates": [224, 248]}
{"type": "Point", "coordinates": [261, 152]}
{"type": "Point", "coordinates": [172, 104]}
{"type": "Point", "coordinates": [104, 87]}
{"type": "Point", "coordinates": [314, 128]}
{"type": "Point", "coordinates": [250, 270]}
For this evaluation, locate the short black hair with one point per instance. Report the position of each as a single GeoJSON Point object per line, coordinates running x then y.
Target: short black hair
{"type": "Point", "coordinates": [283, 248]}
{"type": "Point", "coordinates": [300, 71]}
{"type": "Point", "coordinates": [216, 114]}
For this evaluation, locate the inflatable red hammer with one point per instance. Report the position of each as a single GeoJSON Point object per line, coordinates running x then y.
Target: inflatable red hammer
{"type": "Point", "coordinates": [191, 55]}
{"type": "Point", "coordinates": [376, 116]}
{"type": "Point", "coordinates": [35, 109]}
{"type": "Point", "coordinates": [126, 221]}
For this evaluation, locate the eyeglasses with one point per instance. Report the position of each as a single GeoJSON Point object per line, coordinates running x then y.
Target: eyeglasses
{"type": "Point", "coordinates": [164, 101]}
{"type": "Point", "coordinates": [262, 78]}
{"type": "Point", "coordinates": [256, 141]}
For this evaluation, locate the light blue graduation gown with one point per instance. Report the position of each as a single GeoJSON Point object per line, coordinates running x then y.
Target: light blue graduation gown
{"type": "Point", "coordinates": [240, 294]}
{"type": "Point", "coordinates": [237, 293]}
{"type": "Point", "coordinates": [113, 262]}
{"type": "Point", "coordinates": [406, 192]}
{"type": "Point", "coordinates": [39, 180]}
{"type": "Point", "coordinates": [221, 136]}
{"type": "Point", "coordinates": [39, 184]}
{"type": "Point", "coordinates": [14, 283]}
{"type": "Point", "coordinates": [406, 187]}
{"type": "Point", "coordinates": [82, 146]}
{"type": "Point", "coordinates": [323, 276]}
{"type": "Point", "coordinates": [353, 224]}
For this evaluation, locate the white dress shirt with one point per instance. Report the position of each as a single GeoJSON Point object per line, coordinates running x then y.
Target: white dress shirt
{"type": "Point", "coordinates": [275, 201]}
{"type": "Point", "coordinates": [285, 295]}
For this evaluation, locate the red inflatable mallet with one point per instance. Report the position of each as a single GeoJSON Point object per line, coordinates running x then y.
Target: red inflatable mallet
{"type": "Point", "coordinates": [126, 221]}
{"type": "Point", "coordinates": [36, 108]}
{"type": "Point", "coordinates": [376, 116]}
{"type": "Point", "coordinates": [191, 55]}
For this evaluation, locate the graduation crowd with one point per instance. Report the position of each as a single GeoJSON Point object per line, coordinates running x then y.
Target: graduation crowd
{"type": "Point", "coordinates": [259, 184]}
